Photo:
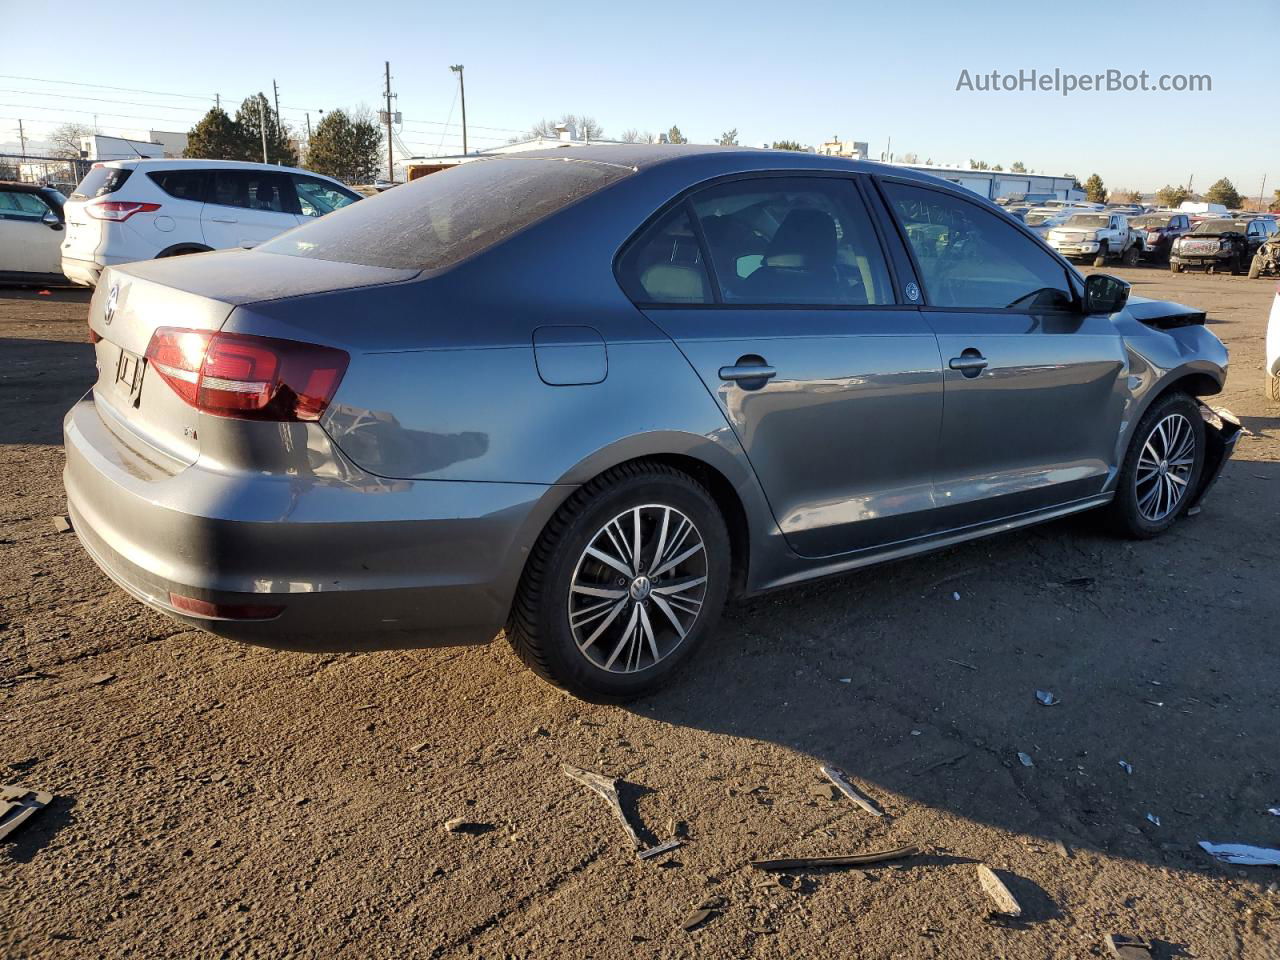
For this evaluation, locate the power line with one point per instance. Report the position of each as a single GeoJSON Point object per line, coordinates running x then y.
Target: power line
{"type": "Point", "coordinates": [77, 96]}
{"type": "Point", "coordinates": [103, 86]}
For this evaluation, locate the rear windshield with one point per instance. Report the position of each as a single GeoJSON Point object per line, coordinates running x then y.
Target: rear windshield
{"type": "Point", "coordinates": [444, 218]}
{"type": "Point", "coordinates": [1151, 221]}
{"type": "Point", "coordinates": [100, 181]}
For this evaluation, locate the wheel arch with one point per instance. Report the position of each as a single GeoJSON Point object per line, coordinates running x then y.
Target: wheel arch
{"type": "Point", "coordinates": [179, 249]}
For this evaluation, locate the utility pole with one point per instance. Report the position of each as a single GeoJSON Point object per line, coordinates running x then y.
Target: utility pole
{"type": "Point", "coordinates": [462, 91]}
{"type": "Point", "coordinates": [217, 100]}
{"type": "Point", "coordinates": [308, 127]}
{"type": "Point", "coordinates": [262, 125]}
{"type": "Point", "coordinates": [279, 128]}
{"type": "Point", "coordinates": [22, 140]}
{"type": "Point", "coordinates": [1262, 190]}
{"type": "Point", "coordinates": [391, 158]}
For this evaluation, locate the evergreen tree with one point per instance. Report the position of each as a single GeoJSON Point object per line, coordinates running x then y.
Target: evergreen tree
{"type": "Point", "coordinates": [216, 137]}
{"type": "Point", "coordinates": [1095, 191]}
{"type": "Point", "coordinates": [253, 113]}
{"type": "Point", "coordinates": [675, 136]}
{"type": "Point", "coordinates": [348, 147]}
{"type": "Point", "coordinates": [1225, 193]}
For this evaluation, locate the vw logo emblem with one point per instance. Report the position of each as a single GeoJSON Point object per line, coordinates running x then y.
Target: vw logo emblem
{"type": "Point", "coordinates": [110, 310]}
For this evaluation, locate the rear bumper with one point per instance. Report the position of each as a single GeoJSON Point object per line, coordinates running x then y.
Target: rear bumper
{"type": "Point", "coordinates": [357, 563]}
{"type": "Point", "coordinates": [83, 272]}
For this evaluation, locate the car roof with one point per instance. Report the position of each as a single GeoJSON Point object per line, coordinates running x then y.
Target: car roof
{"type": "Point", "coordinates": [157, 163]}
{"type": "Point", "coordinates": [16, 186]}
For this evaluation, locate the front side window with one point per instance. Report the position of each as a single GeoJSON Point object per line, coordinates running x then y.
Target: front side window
{"type": "Point", "coordinates": [664, 265]}
{"type": "Point", "coordinates": [318, 197]}
{"type": "Point", "coordinates": [798, 241]}
{"type": "Point", "coordinates": [251, 189]}
{"type": "Point", "coordinates": [971, 258]}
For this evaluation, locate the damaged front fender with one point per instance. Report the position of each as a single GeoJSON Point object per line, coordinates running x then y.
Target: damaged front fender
{"type": "Point", "coordinates": [1221, 432]}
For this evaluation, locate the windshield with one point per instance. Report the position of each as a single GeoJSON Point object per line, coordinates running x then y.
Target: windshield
{"type": "Point", "coordinates": [1087, 220]}
{"type": "Point", "coordinates": [1151, 221]}
{"type": "Point", "coordinates": [444, 218]}
{"type": "Point", "coordinates": [1218, 226]}
{"type": "Point", "coordinates": [1035, 219]}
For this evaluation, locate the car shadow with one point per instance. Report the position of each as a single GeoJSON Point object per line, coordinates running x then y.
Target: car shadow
{"type": "Point", "coordinates": [920, 679]}
{"type": "Point", "coordinates": [34, 835]}
{"type": "Point", "coordinates": [41, 380]}
{"type": "Point", "coordinates": [45, 293]}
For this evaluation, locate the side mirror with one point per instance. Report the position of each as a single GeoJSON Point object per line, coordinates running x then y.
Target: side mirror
{"type": "Point", "coordinates": [1104, 294]}
{"type": "Point", "coordinates": [51, 221]}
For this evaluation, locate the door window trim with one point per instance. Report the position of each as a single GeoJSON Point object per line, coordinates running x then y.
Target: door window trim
{"type": "Point", "coordinates": [685, 199]}
{"type": "Point", "coordinates": [1074, 284]}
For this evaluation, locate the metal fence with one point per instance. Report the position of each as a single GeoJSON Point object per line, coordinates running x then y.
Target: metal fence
{"type": "Point", "coordinates": [59, 172]}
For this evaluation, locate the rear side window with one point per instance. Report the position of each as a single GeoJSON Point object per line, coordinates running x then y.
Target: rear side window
{"type": "Point", "coordinates": [182, 184]}
{"type": "Point", "coordinates": [442, 219]}
{"type": "Point", "coordinates": [664, 265]}
{"type": "Point", "coordinates": [972, 258]}
{"type": "Point", "coordinates": [101, 181]}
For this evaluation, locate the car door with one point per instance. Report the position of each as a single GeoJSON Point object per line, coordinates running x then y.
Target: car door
{"type": "Point", "coordinates": [27, 243]}
{"type": "Point", "coordinates": [247, 207]}
{"type": "Point", "coordinates": [1033, 396]}
{"type": "Point", "coordinates": [778, 292]}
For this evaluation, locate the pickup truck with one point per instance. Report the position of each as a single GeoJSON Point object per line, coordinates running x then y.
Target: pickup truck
{"type": "Point", "coordinates": [1097, 235]}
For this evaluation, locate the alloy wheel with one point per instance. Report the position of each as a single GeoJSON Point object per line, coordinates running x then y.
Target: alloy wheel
{"type": "Point", "coordinates": [638, 588]}
{"type": "Point", "coordinates": [1164, 467]}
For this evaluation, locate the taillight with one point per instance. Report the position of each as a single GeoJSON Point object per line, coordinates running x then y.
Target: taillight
{"type": "Point", "coordinates": [224, 611]}
{"type": "Point", "coordinates": [248, 377]}
{"type": "Point", "coordinates": [117, 210]}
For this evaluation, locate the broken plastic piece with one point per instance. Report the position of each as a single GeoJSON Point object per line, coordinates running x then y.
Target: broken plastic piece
{"type": "Point", "coordinates": [1242, 854]}
{"type": "Point", "coordinates": [1047, 698]}
{"type": "Point", "coordinates": [696, 919]}
{"type": "Point", "coordinates": [607, 788]}
{"type": "Point", "coordinates": [1127, 948]}
{"type": "Point", "coordinates": [1126, 766]}
{"type": "Point", "coordinates": [845, 787]}
{"type": "Point", "coordinates": [852, 860]}
{"type": "Point", "coordinates": [1006, 903]}
{"type": "Point", "coordinates": [1154, 819]}
{"type": "Point", "coordinates": [659, 850]}
{"type": "Point", "coordinates": [62, 524]}
{"type": "Point", "coordinates": [18, 805]}
{"type": "Point", "coordinates": [1025, 759]}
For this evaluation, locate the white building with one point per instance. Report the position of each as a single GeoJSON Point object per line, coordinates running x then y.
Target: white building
{"type": "Point", "coordinates": [174, 143]}
{"type": "Point", "coordinates": [835, 147]}
{"type": "Point", "coordinates": [96, 147]}
{"type": "Point", "coordinates": [998, 184]}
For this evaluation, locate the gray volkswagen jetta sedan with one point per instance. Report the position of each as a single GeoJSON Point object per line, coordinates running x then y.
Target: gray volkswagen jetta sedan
{"type": "Point", "coordinates": [588, 394]}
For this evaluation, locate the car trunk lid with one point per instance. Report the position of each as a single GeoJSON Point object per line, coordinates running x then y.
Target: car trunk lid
{"type": "Point", "coordinates": [195, 293]}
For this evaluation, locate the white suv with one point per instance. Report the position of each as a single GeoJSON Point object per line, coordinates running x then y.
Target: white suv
{"type": "Point", "coordinates": [126, 210]}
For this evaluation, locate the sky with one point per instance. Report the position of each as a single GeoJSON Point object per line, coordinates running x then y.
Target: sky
{"type": "Point", "coordinates": [885, 73]}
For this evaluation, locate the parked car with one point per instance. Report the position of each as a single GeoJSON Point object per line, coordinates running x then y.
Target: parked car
{"type": "Point", "coordinates": [1098, 237]}
{"type": "Point", "coordinates": [128, 210]}
{"type": "Point", "coordinates": [1272, 371]}
{"type": "Point", "coordinates": [1266, 262]}
{"type": "Point", "coordinates": [590, 400]}
{"type": "Point", "coordinates": [1040, 220]}
{"type": "Point", "coordinates": [1220, 245]}
{"type": "Point", "coordinates": [1160, 230]}
{"type": "Point", "coordinates": [31, 228]}
{"type": "Point", "coordinates": [1128, 209]}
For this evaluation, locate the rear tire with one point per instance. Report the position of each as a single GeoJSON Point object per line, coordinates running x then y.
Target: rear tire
{"type": "Point", "coordinates": [1101, 259]}
{"type": "Point", "coordinates": [1132, 256]}
{"type": "Point", "coordinates": [631, 629]}
{"type": "Point", "coordinates": [1161, 469]}
{"type": "Point", "coordinates": [1272, 387]}
{"type": "Point", "coordinates": [1175, 267]}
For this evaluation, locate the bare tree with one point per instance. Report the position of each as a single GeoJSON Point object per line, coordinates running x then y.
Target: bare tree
{"type": "Point", "coordinates": [631, 135]}
{"type": "Point", "coordinates": [585, 127]}
{"type": "Point", "coordinates": [66, 139]}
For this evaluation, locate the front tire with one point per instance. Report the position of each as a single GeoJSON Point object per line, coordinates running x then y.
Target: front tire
{"type": "Point", "coordinates": [1101, 259]}
{"type": "Point", "coordinates": [1272, 387]}
{"type": "Point", "coordinates": [627, 580]}
{"type": "Point", "coordinates": [1255, 267]}
{"type": "Point", "coordinates": [1175, 267]}
{"type": "Point", "coordinates": [1161, 469]}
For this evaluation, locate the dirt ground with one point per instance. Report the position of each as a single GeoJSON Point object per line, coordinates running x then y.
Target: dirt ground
{"type": "Point", "coordinates": [217, 800]}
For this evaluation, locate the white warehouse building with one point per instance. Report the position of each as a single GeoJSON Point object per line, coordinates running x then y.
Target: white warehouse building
{"type": "Point", "coordinates": [999, 184]}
